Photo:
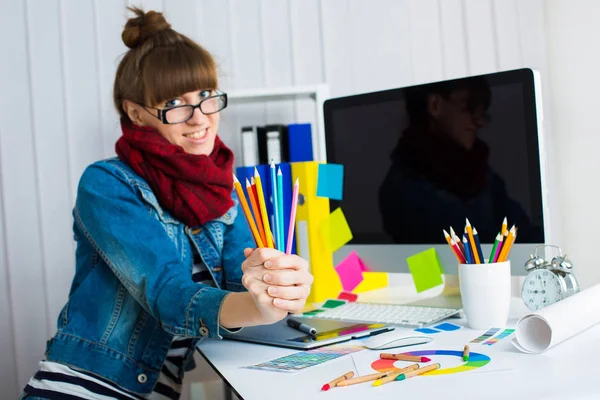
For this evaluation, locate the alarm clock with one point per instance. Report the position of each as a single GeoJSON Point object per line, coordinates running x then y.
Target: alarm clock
{"type": "Point", "coordinates": [548, 281]}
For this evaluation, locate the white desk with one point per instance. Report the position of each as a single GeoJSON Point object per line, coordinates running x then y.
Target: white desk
{"type": "Point", "coordinates": [568, 371]}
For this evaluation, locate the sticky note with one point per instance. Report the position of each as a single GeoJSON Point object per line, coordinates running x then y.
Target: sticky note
{"type": "Point", "coordinates": [313, 312]}
{"type": "Point", "coordinates": [350, 270]}
{"type": "Point", "coordinates": [336, 231]}
{"type": "Point", "coordinates": [372, 281]}
{"type": "Point", "coordinates": [333, 303]}
{"type": "Point", "coordinates": [427, 330]}
{"type": "Point", "coordinates": [447, 327]}
{"type": "Point", "coordinates": [426, 269]}
{"type": "Point", "coordinates": [330, 181]}
{"type": "Point", "coordinates": [350, 297]}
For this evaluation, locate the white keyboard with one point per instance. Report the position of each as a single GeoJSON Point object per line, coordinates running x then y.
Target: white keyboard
{"type": "Point", "coordinates": [392, 314]}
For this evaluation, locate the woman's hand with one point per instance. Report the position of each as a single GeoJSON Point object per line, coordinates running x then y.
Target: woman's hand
{"type": "Point", "coordinates": [284, 279]}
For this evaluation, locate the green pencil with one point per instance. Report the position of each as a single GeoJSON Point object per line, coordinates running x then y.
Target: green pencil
{"type": "Point", "coordinates": [495, 248]}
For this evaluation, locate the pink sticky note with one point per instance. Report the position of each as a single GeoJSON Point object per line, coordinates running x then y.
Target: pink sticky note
{"type": "Point", "coordinates": [350, 270]}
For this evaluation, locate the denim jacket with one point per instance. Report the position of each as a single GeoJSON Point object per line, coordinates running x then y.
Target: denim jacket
{"type": "Point", "coordinates": [132, 291]}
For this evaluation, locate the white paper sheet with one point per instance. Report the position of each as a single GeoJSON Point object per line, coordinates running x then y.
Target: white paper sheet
{"type": "Point", "coordinates": [539, 331]}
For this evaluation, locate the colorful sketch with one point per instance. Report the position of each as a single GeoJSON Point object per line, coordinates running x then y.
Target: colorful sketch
{"type": "Point", "coordinates": [491, 332]}
{"type": "Point", "coordinates": [496, 339]}
{"type": "Point", "coordinates": [476, 360]}
{"type": "Point", "coordinates": [304, 359]}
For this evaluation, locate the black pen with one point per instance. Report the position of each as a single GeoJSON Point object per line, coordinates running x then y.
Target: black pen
{"type": "Point", "coordinates": [301, 327]}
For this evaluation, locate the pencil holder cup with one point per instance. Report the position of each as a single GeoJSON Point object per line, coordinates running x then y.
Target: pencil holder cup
{"type": "Point", "coordinates": [485, 290]}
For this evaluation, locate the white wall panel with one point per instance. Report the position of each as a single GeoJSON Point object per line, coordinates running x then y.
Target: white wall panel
{"type": "Point", "coordinates": [21, 195]}
{"type": "Point", "coordinates": [48, 128]}
{"type": "Point", "coordinates": [480, 34]}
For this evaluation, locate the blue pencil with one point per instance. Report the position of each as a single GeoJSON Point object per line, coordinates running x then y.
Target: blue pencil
{"type": "Point", "coordinates": [478, 245]}
{"type": "Point", "coordinates": [468, 255]}
{"type": "Point", "coordinates": [281, 210]}
{"type": "Point", "coordinates": [276, 224]}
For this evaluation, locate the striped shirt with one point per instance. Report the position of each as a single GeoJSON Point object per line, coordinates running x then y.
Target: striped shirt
{"type": "Point", "coordinates": [59, 381]}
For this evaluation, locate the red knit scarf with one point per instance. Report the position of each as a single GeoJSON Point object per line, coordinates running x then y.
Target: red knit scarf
{"type": "Point", "coordinates": [194, 188]}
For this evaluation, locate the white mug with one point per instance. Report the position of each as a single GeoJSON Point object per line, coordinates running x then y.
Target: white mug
{"type": "Point", "coordinates": [485, 290]}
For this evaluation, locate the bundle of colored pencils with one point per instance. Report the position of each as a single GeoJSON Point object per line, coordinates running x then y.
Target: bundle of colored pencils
{"type": "Point", "coordinates": [258, 218]}
{"type": "Point", "coordinates": [468, 250]}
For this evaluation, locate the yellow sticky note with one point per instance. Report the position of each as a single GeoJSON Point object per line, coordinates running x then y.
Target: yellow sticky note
{"type": "Point", "coordinates": [336, 231]}
{"type": "Point", "coordinates": [372, 281]}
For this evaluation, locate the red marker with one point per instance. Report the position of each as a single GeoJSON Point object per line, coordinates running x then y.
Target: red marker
{"type": "Point", "coordinates": [334, 382]}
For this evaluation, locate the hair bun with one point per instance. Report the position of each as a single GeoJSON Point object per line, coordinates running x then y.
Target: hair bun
{"type": "Point", "coordinates": [143, 26]}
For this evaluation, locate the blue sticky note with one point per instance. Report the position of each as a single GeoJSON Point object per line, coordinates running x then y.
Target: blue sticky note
{"type": "Point", "coordinates": [426, 330]}
{"type": "Point", "coordinates": [447, 327]}
{"type": "Point", "coordinates": [330, 181]}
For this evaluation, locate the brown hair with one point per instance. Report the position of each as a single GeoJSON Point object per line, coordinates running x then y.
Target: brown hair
{"type": "Point", "coordinates": [161, 63]}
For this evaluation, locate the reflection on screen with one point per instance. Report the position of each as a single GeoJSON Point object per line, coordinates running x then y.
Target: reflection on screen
{"type": "Point", "coordinates": [424, 158]}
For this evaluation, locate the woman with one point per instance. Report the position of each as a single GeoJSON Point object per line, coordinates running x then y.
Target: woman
{"type": "Point", "coordinates": [163, 253]}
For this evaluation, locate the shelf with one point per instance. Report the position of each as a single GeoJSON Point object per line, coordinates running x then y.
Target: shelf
{"type": "Point", "coordinates": [319, 93]}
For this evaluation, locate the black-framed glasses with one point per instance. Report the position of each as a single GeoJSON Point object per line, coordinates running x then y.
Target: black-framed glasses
{"type": "Point", "coordinates": [179, 114]}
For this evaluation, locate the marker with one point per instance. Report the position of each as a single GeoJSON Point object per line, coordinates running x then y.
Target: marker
{"type": "Point", "coordinates": [301, 327]}
{"type": "Point", "coordinates": [334, 382]}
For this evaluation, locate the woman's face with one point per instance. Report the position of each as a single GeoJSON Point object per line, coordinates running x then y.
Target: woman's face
{"type": "Point", "coordinates": [196, 135]}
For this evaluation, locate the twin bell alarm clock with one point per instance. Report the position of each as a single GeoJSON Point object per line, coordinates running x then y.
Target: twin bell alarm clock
{"type": "Point", "coordinates": [548, 281]}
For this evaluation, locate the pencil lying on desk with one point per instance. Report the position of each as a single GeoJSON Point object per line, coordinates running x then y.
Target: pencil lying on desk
{"type": "Point", "coordinates": [391, 376]}
{"type": "Point", "coordinates": [336, 381]}
{"type": "Point", "coordinates": [365, 378]}
{"type": "Point", "coordinates": [403, 357]}
{"type": "Point", "coordinates": [420, 371]}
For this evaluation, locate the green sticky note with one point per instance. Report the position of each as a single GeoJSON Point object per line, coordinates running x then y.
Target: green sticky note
{"type": "Point", "coordinates": [333, 303]}
{"type": "Point", "coordinates": [313, 312]}
{"type": "Point", "coordinates": [426, 269]}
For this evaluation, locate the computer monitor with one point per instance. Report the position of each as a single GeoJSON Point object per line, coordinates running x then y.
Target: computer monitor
{"type": "Point", "coordinates": [420, 159]}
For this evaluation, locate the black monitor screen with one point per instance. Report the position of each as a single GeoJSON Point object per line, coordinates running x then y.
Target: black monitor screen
{"type": "Point", "coordinates": [423, 158]}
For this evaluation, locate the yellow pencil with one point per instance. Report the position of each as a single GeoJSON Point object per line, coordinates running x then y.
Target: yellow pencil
{"type": "Point", "coordinates": [469, 230]}
{"type": "Point", "coordinates": [255, 209]}
{"type": "Point", "coordinates": [512, 235]}
{"type": "Point", "coordinates": [263, 209]}
{"type": "Point", "coordinates": [504, 227]}
{"type": "Point", "coordinates": [247, 213]}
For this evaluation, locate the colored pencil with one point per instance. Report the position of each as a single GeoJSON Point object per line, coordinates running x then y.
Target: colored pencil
{"type": "Point", "coordinates": [334, 382]}
{"type": "Point", "coordinates": [247, 213]}
{"type": "Point", "coordinates": [365, 378]}
{"type": "Point", "coordinates": [496, 248]}
{"type": "Point", "coordinates": [468, 258]}
{"type": "Point", "coordinates": [251, 189]}
{"type": "Point", "coordinates": [391, 376]}
{"type": "Point", "coordinates": [420, 371]}
{"type": "Point", "coordinates": [290, 240]}
{"type": "Point", "coordinates": [281, 237]}
{"type": "Point", "coordinates": [504, 227]}
{"type": "Point", "coordinates": [454, 236]}
{"type": "Point", "coordinates": [403, 357]}
{"type": "Point", "coordinates": [473, 250]}
{"type": "Point", "coordinates": [276, 222]}
{"type": "Point", "coordinates": [478, 245]}
{"type": "Point", "coordinates": [263, 209]}
{"type": "Point", "coordinates": [466, 353]}
{"type": "Point", "coordinates": [512, 234]}
{"type": "Point", "coordinates": [461, 257]}
{"type": "Point", "coordinates": [455, 249]}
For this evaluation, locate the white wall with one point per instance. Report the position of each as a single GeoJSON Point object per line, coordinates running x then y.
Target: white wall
{"type": "Point", "coordinates": [57, 63]}
{"type": "Point", "coordinates": [574, 57]}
